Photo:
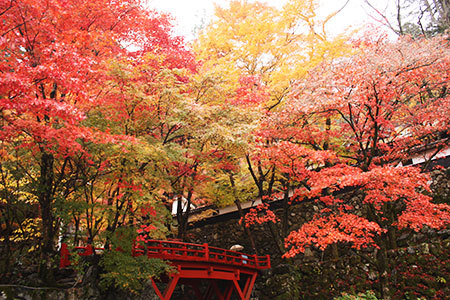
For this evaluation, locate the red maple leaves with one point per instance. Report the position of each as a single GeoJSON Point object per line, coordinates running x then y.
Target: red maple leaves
{"type": "Point", "coordinates": [323, 231]}
{"type": "Point", "coordinates": [259, 215]}
{"type": "Point", "coordinates": [346, 127]}
{"type": "Point", "coordinates": [390, 197]}
{"type": "Point", "coordinates": [56, 62]}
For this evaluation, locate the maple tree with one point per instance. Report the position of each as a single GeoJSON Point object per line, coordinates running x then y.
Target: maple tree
{"type": "Point", "coordinates": [228, 121]}
{"type": "Point", "coordinates": [255, 40]}
{"type": "Point", "coordinates": [106, 118]}
{"type": "Point", "coordinates": [349, 125]}
{"type": "Point", "coordinates": [147, 102]}
{"type": "Point", "coordinates": [254, 52]}
{"type": "Point", "coordinates": [57, 59]}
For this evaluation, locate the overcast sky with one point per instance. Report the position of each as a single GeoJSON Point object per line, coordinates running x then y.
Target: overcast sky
{"type": "Point", "coordinates": [190, 14]}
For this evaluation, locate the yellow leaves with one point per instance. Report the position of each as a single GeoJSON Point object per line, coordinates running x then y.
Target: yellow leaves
{"type": "Point", "coordinates": [33, 248]}
{"type": "Point", "coordinates": [279, 45]}
{"type": "Point", "coordinates": [4, 155]}
{"type": "Point", "coordinates": [28, 230]}
{"type": "Point", "coordinates": [240, 34]}
{"type": "Point", "coordinates": [14, 188]}
{"type": "Point", "coordinates": [203, 215]}
{"type": "Point", "coordinates": [300, 10]}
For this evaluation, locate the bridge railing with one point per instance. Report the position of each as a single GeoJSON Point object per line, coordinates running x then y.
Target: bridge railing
{"type": "Point", "coordinates": [174, 250]}
{"type": "Point", "coordinates": [179, 251]}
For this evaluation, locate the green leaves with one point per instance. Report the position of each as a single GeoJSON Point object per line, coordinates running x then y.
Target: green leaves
{"type": "Point", "coordinates": [124, 271]}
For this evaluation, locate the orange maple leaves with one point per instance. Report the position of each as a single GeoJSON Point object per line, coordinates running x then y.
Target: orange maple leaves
{"type": "Point", "coordinates": [259, 215]}
{"type": "Point", "coordinates": [323, 231]}
{"type": "Point", "coordinates": [346, 126]}
{"type": "Point", "coordinates": [57, 57]}
{"type": "Point", "coordinates": [394, 197]}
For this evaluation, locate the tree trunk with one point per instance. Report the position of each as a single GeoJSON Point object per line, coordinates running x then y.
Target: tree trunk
{"type": "Point", "coordinates": [382, 265]}
{"type": "Point", "coordinates": [241, 214]}
{"type": "Point", "coordinates": [179, 217]}
{"type": "Point", "coordinates": [45, 197]}
{"type": "Point", "coordinates": [286, 206]}
{"type": "Point", "coordinates": [246, 229]}
{"type": "Point", "coordinates": [183, 217]}
{"type": "Point", "coordinates": [335, 251]}
{"type": "Point", "coordinates": [276, 237]}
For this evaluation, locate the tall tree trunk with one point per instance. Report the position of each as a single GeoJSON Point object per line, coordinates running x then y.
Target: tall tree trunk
{"type": "Point", "coordinates": [183, 216]}
{"type": "Point", "coordinates": [45, 198]}
{"type": "Point", "coordinates": [246, 229]}
{"type": "Point", "coordinates": [286, 206]}
{"type": "Point", "coordinates": [241, 214]}
{"type": "Point", "coordinates": [276, 237]}
{"type": "Point", "coordinates": [382, 265]}
{"type": "Point", "coordinates": [179, 217]}
{"type": "Point", "coordinates": [335, 251]}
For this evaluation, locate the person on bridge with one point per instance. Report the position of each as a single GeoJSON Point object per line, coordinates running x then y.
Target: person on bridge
{"type": "Point", "coordinates": [239, 248]}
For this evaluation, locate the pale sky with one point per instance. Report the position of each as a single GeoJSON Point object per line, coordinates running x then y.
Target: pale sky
{"type": "Point", "coordinates": [190, 14]}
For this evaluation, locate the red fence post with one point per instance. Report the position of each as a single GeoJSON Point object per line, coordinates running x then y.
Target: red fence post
{"type": "Point", "coordinates": [206, 251]}
{"type": "Point", "coordinates": [64, 259]}
{"type": "Point", "coordinates": [88, 251]}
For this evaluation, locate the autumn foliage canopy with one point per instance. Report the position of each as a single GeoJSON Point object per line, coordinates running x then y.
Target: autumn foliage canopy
{"type": "Point", "coordinates": [107, 119]}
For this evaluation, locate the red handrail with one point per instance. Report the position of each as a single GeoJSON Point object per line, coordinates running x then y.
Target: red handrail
{"type": "Point", "coordinates": [172, 250]}
{"type": "Point", "coordinates": [179, 251]}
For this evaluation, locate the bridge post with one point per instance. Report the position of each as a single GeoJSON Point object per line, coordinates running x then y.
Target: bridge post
{"type": "Point", "coordinates": [205, 245]}
{"type": "Point", "coordinates": [171, 287]}
{"type": "Point", "coordinates": [64, 260]}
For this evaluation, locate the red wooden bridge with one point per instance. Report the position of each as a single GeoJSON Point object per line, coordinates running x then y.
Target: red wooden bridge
{"type": "Point", "coordinates": [210, 271]}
